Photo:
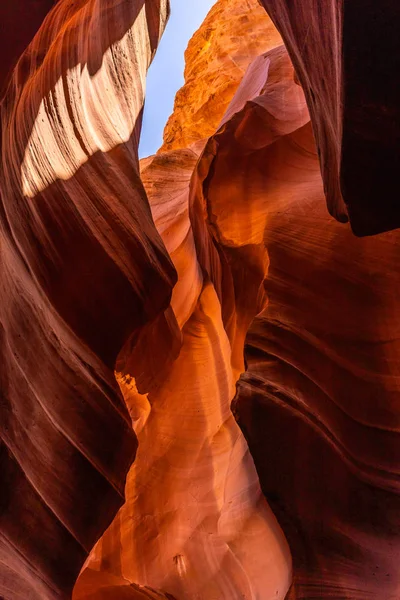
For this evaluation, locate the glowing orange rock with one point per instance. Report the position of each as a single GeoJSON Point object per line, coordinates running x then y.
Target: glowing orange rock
{"type": "Point", "coordinates": [233, 33]}
{"type": "Point", "coordinates": [160, 275]}
{"type": "Point", "coordinates": [319, 400]}
{"type": "Point", "coordinates": [194, 523]}
{"type": "Point", "coordinates": [95, 586]}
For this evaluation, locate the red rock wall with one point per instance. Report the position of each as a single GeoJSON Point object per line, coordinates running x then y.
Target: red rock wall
{"type": "Point", "coordinates": [194, 523]}
{"type": "Point", "coordinates": [319, 400]}
{"type": "Point", "coordinates": [347, 56]}
{"type": "Point", "coordinates": [73, 262]}
{"type": "Point", "coordinates": [19, 22]}
{"type": "Point", "coordinates": [165, 276]}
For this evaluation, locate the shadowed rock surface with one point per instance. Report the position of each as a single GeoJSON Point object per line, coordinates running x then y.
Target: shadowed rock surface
{"type": "Point", "coordinates": [74, 260]}
{"type": "Point", "coordinates": [347, 57]}
{"type": "Point", "coordinates": [138, 301]}
{"type": "Point", "coordinates": [17, 31]}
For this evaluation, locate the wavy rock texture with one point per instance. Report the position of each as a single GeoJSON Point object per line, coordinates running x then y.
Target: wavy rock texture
{"type": "Point", "coordinates": [319, 403]}
{"type": "Point", "coordinates": [233, 33]}
{"type": "Point", "coordinates": [271, 107]}
{"type": "Point", "coordinates": [19, 21]}
{"type": "Point", "coordinates": [319, 400]}
{"type": "Point", "coordinates": [160, 275]}
{"type": "Point", "coordinates": [95, 586]}
{"type": "Point", "coordinates": [345, 55]}
{"type": "Point", "coordinates": [77, 244]}
{"type": "Point", "coordinates": [195, 523]}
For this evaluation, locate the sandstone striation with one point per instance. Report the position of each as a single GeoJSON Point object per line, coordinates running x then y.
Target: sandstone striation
{"type": "Point", "coordinates": [77, 241]}
{"type": "Point", "coordinates": [138, 301]}
{"type": "Point", "coordinates": [346, 56]}
{"type": "Point", "coordinates": [195, 523]}
{"type": "Point", "coordinates": [319, 402]}
{"type": "Point", "coordinates": [19, 22]}
{"type": "Point", "coordinates": [319, 397]}
{"type": "Point", "coordinates": [92, 586]}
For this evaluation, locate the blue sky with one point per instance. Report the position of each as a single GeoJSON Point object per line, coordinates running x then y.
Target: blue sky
{"type": "Point", "coordinates": [165, 75]}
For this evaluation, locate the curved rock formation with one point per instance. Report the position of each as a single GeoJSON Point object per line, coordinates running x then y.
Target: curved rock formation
{"type": "Point", "coordinates": [95, 586]}
{"type": "Point", "coordinates": [194, 523]}
{"type": "Point", "coordinates": [77, 244]}
{"type": "Point", "coordinates": [19, 21]}
{"type": "Point", "coordinates": [347, 55]}
{"type": "Point", "coordinates": [127, 298]}
{"type": "Point", "coordinates": [319, 400]}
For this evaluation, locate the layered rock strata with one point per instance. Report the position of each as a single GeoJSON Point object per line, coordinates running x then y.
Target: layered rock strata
{"type": "Point", "coordinates": [319, 400]}
{"type": "Point", "coordinates": [165, 276]}
{"type": "Point", "coordinates": [82, 267]}
{"type": "Point", "coordinates": [347, 56]}
{"type": "Point", "coordinates": [194, 523]}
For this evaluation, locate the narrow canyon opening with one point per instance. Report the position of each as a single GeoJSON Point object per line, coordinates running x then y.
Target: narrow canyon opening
{"type": "Point", "coordinates": [166, 73]}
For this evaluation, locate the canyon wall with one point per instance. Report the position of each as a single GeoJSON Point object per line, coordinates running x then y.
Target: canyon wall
{"type": "Point", "coordinates": [17, 28]}
{"type": "Point", "coordinates": [138, 301]}
{"type": "Point", "coordinates": [347, 56]}
{"type": "Point", "coordinates": [195, 524]}
{"type": "Point", "coordinates": [77, 245]}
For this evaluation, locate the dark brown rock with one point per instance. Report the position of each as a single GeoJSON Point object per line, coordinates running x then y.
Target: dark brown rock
{"type": "Point", "coordinates": [77, 243]}
{"type": "Point", "coordinates": [347, 58]}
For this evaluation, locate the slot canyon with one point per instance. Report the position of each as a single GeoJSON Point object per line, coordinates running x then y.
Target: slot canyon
{"type": "Point", "coordinates": [199, 350]}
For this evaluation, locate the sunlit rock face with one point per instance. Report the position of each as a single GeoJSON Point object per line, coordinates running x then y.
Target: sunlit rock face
{"type": "Point", "coordinates": [195, 523]}
{"type": "Point", "coordinates": [138, 301]}
{"type": "Point", "coordinates": [232, 35]}
{"type": "Point", "coordinates": [94, 586]}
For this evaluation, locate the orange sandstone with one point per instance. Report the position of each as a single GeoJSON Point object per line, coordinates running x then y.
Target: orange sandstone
{"type": "Point", "coordinates": [233, 33]}
{"type": "Point", "coordinates": [164, 280]}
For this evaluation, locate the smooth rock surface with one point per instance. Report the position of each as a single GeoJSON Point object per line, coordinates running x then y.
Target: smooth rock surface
{"type": "Point", "coordinates": [195, 523]}
{"type": "Point", "coordinates": [77, 244]}
{"type": "Point", "coordinates": [134, 298]}
{"type": "Point", "coordinates": [19, 22]}
{"type": "Point", "coordinates": [347, 58]}
{"type": "Point", "coordinates": [319, 402]}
